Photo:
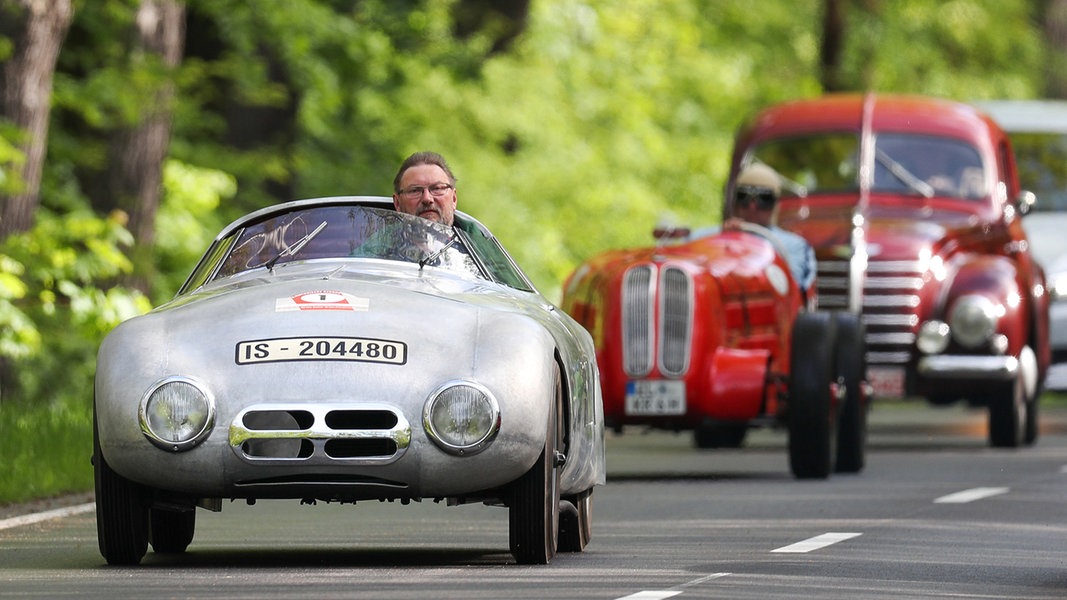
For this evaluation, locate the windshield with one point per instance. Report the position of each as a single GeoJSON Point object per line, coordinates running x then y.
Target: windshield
{"type": "Point", "coordinates": [337, 232]}
{"type": "Point", "coordinates": [903, 164]}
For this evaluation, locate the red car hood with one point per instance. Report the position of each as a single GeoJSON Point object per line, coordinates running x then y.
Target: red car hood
{"type": "Point", "coordinates": [893, 230]}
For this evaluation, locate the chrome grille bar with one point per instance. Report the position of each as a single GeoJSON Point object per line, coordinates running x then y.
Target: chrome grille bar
{"type": "Point", "coordinates": [637, 326]}
{"type": "Point", "coordinates": [676, 310]}
{"type": "Point", "coordinates": [890, 304]}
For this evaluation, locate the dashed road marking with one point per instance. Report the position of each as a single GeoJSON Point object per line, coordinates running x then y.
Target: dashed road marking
{"type": "Point", "coordinates": [819, 541]}
{"type": "Point", "coordinates": [659, 594]}
{"type": "Point", "coordinates": [971, 495]}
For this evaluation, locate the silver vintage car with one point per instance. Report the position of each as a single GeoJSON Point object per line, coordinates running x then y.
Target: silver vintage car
{"type": "Point", "coordinates": [336, 350]}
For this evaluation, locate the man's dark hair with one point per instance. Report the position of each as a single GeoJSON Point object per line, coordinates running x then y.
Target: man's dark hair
{"type": "Point", "coordinates": [423, 158]}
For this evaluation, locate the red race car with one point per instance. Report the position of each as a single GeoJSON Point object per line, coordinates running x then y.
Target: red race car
{"type": "Point", "coordinates": [712, 334]}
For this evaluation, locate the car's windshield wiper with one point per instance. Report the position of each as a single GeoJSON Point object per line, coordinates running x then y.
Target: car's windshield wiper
{"type": "Point", "coordinates": [297, 247]}
{"type": "Point", "coordinates": [429, 258]}
{"type": "Point", "coordinates": [905, 176]}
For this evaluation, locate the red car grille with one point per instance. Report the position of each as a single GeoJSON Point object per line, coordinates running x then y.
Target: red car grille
{"type": "Point", "coordinates": [890, 304]}
{"type": "Point", "coordinates": [646, 288]}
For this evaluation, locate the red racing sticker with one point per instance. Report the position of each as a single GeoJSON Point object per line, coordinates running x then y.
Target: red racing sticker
{"type": "Point", "coordinates": [322, 300]}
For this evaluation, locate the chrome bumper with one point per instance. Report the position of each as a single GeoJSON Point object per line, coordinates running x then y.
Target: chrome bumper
{"type": "Point", "coordinates": [985, 368]}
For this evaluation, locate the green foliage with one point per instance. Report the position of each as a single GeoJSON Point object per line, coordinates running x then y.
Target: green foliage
{"type": "Point", "coordinates": [66, 303]}
{"type": "Point", "coordinates": [964, 49]}
{"type": "Point", "coordinates": [188, 219]}
{"type": "Point", "coordinates": [57, 301]}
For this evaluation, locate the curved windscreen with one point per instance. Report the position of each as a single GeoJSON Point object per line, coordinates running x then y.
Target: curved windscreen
{"type": "Point", "coordinates": [330, 232]}
{"type": "Point", "coordinates": [903, 164]}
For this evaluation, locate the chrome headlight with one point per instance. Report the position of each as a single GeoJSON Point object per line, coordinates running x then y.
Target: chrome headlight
{"type": "Point", "coordinates": [973, 320]}
{"type": "Point", "coordinates": [177, 414]}
{"type": "Point", "coordinates": [461, 417]}
{"type": "Point", "coordinates": [933, 337]}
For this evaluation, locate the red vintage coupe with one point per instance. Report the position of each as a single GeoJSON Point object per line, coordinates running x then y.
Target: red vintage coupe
{"type": "Point", "coordinates": [914, 209]}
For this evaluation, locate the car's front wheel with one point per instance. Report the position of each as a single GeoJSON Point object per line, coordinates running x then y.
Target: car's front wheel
{"type": "Point", "coordinates": [850, 356]}
{"type": "Point", "coordinates": [809, 414]}
{"type": "Point", "coordinates": [534, 505]}
{"type": "Point", "coordinates": [121, 512]}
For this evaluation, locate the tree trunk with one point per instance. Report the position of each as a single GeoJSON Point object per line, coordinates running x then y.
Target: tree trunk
{"type": "Point", "coordinates": [833, 38]}
{"type": "Point", "coordinates": [1055, 25]}
{"type": "Point", "coordinates": [37, 29]}
{"type": "Point", "coordinates": [138, 153]}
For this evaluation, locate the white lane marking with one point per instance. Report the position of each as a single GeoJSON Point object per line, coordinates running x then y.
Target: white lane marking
{"type": "Point", "coordinates": [819, 541]}
{"type": "Point", "coordinates": [971, 495]}
{"type": "Point", "coordinates": [1063, 469]}
{"type": "Point", "coordinates": [701, 580]}
{"type": "Point", "coordinates": [58, 513]}
{"type": "Point", "coordinates": [658, 594]}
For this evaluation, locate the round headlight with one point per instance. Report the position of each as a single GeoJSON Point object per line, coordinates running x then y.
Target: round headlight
{"type": "Point", "coordinates": [461, 417]}
{"type": "Point", "coordinates": [176, 414]}
{"type": "Point", "coordinates": [933, 337]}
{"type": "Point", "coordinates": [973, 320]}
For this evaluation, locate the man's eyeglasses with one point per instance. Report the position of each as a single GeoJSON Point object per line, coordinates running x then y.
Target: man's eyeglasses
{"type": "Point", "coordinates": [436, 190]}
{"type": "Point", "coordinates": [760, 197]}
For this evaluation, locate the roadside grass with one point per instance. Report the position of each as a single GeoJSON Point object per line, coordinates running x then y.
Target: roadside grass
{"type": "Point", "coordinates": [46, 450]}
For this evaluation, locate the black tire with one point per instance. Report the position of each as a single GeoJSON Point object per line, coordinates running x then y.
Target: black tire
{"type": "Point", "coordinates": [851, 360]}
{"type": "Point", "coordinates": [171, 531]}
{"type": "Point", "coordinates": [720, 435]}
{"type": "Point", "coordinates": [1007, 416]}
{"type": "Point", "coordinates": [576, 522]}
{"type": "Point", "coordinates": [808, 414]}
{"type": "Point", "coordinates": [533, 513]}
{"type": "Point", "coordinates": [121, 512]}
{"type": "Point", "coordinates": [1013, 412]}
{"type": "Point", "coordinates": [1030, 431]}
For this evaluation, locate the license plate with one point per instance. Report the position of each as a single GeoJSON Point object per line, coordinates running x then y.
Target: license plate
{"type": "Point", "coordinates": [321, 348]}
{"type": "Point", "coordinates": [655, 397]}
{"type": "Point", "coordinates": [886, 381]}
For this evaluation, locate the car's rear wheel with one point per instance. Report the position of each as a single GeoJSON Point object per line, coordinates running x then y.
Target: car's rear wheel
{"type": "Point", "coordinates": [809, 412]}
{"type": "Point", "coordinates": [171, 531]}
{"type": "Point", "coordinates": [851, 358]}
{"type": "Point", "coordinates": [534, 506]}
{"type": "Point", "coordinates": [1007, 417]}
{"type": "Point", "coordinates": [576, 522]}
{"type": "Point", "coordinates": [121, 512]}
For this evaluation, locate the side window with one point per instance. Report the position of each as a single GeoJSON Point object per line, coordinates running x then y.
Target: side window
{"type": "Point", "coordinates": [501, 267]}
{"type": "Point", "coordinates": [207, 266]}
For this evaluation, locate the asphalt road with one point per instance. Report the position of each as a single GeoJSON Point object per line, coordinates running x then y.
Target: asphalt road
{"type": "Point", "coordinates": [936, 514]}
